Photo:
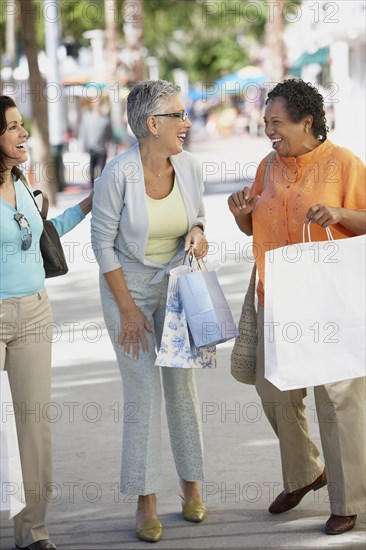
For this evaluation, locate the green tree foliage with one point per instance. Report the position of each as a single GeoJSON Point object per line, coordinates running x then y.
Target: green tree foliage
{"type": "Point", "coordinates": [207, 38]}
{"type": "Point", "coordinates": [79, 16]}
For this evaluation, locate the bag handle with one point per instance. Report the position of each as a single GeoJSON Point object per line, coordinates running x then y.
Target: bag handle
{"type": "Point", "coordinates": [307, 223]}
{"type": "Point", "coordinates": [265, 179]}
{"type": "Point", "coordinates": [192, 257]}
{"type": "Point", "coordinates": [45, 202]}
{"type": "Point", "coordinates": [251, 288]}
{"type": "Point", "coordinates": [187, 253]}
{"type": "Point", "coordinates": [250, 294]}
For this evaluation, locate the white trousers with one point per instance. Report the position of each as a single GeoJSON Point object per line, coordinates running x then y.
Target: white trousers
{"type": "Point", "coordinates": [142, 462]}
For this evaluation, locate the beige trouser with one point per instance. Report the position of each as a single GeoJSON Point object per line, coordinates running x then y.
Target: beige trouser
{"type": "Point", "coordinates": [25, 352]}
{"type": "Point", "coordinates": [341, 415]}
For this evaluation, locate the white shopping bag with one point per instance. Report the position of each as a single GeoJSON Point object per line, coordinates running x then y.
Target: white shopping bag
{"type": "Point", "coordinates": [314, 313]}
{"type": "Point", "coordinates": [11, 480]}
{"type": "Point", "coordinates": [177, 348]}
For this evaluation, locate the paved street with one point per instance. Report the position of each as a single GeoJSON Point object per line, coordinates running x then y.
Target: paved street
{"type": "Point", "coordinates": [243, 472]}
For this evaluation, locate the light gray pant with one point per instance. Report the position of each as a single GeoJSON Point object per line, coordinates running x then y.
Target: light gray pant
{"type": "Point", "coordinates": [25, 352]}
{"type": "Point", "coordinates": [340, 410]}
{"type": "Point", "coordinates": [142, 463]}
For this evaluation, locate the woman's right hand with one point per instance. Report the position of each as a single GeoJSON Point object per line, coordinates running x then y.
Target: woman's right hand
{"type": "Point", "coordinates": [240, 202]}
{"type": "Point", "coordinates": [87, 203]}
{"type": "Point", "coordinates": [133, 326]}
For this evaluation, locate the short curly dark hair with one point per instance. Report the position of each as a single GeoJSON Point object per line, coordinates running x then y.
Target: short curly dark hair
{"type": "Point", "coordinates": [302, 99]}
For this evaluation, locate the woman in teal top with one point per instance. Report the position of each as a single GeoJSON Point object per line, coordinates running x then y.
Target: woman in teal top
{"type": "Point", "coordinates": [25, 315]}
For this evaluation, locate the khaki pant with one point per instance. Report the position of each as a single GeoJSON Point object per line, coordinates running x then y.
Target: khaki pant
{"type": "Point", "coordinates": [25, 352]}
{"type": "Point", "coordinates": [341, 415]}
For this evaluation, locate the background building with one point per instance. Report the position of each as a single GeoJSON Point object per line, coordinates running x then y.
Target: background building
{"type": "Point", "coordinates": [327, 45]}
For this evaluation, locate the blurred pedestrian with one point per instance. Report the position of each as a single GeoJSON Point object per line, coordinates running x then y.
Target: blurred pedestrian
{"type": "Point", "coordinates": [26, 314]}
{"type": "Point", "coordinates": [327, 186]}
{"type": "Point", "coordinates": [148, 209]}
{"type": "Point", "coordinates": [95, 135]}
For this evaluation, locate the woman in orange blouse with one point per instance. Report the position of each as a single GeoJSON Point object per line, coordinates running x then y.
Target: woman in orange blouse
{"type": "Point", "coordinates": [310, 178]}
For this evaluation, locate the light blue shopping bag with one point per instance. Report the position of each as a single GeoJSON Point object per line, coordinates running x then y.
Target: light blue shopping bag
{"type": "Point", "coordinates": [208, 314]}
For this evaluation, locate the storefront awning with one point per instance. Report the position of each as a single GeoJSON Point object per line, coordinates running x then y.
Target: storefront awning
{"type": "Point", "coordinates": [321, 57]}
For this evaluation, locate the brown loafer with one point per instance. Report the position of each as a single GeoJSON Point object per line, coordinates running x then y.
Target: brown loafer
{"type": "Point", "coordinates": [286, 501]}
{"type": "Point", "coordinates": [336, 525]}
{"type": "Point", "coordinates": [43, 544]}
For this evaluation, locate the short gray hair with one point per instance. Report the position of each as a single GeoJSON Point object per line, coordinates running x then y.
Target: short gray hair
{"type": "Point", "coordinates": [147, 98]}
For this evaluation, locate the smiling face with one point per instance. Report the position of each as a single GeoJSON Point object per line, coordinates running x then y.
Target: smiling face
{"type": "Point", "coordinates": [13, 140]}
{"type": "Point", "coordinates": [289, 138]}
{"type": "Point", "coordinates": [172, 131]}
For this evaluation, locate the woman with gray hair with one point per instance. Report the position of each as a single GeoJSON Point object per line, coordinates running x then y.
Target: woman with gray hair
{"type": "Point", "coordinates": [147, 211]}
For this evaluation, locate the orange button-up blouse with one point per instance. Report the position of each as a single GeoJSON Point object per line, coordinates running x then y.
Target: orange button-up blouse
{"type": "Point", "coordinates": [328, 175]}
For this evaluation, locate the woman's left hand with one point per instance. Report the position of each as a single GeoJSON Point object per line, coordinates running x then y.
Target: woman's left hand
{"type": "Point", "coordinates": [197, 241]}
{"type": "Point", "coordinates": [324, 215]}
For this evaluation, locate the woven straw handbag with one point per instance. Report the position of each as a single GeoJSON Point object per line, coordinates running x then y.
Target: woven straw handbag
{"type": "Point", "coordinates": [244, 353]}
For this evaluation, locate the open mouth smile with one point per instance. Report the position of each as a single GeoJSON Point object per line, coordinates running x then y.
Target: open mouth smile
{"type": "Point", "coordinates": [276, 142]}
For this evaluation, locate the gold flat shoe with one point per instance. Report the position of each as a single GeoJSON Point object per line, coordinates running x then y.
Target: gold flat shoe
{"type": "Point", "coordinates": [193, 510]}
{"type": "Point", "coordinates": [151, 531]}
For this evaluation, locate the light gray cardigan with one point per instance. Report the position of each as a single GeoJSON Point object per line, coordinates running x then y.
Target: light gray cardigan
{"type": "Point", "coordinates": [119, 223]}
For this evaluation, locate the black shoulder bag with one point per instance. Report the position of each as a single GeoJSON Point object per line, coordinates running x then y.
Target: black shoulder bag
{"type": "Point", "coordinates": [54, 261]}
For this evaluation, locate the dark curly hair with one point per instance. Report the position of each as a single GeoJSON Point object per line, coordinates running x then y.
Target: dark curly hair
{"type": "Point", "coordinates": [302, 99]}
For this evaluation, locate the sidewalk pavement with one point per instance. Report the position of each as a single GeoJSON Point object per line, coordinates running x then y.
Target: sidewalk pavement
{"type": "Point", "coordinates": [243, 471]}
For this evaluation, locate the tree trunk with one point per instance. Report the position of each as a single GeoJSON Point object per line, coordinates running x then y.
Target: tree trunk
{"type": "Point", "coordinates": [43, 169]}
{"type": "Point", "coordinates": [10, 16]}
{"type": "Point", "coordinates": [111, 41]}
{"type": "Point", "coordinates": [10, 41]}
{"type": "Point", "coordinates": [275, 48]}
{"type": "Point", "coordinates": [133, 31]}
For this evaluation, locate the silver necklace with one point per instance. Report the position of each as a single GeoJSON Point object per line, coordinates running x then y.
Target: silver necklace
{"type": "Point", "coordinates": [158, 173]}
